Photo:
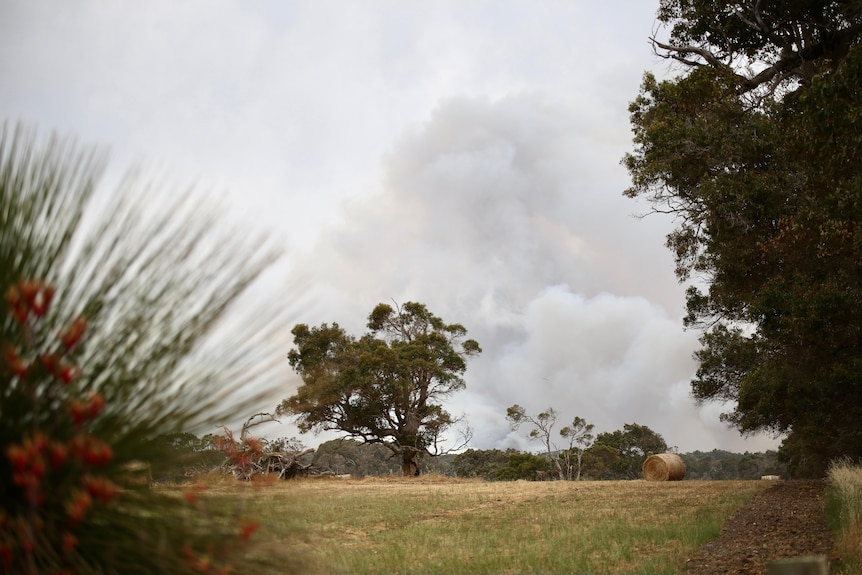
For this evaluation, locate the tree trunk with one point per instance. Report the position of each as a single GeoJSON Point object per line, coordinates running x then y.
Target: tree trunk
{"type": "Point", "coordinates": [410, 463]}
{"type": "Point", "coordinates": [554, 459]}
{"type": "Point", "coordinates": [559, 468]}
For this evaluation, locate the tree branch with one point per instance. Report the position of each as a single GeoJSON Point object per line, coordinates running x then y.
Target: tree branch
{"type": "Point", "coordinates": [249, 423]}
{"type": "Point", "coordinates": [711, 58]}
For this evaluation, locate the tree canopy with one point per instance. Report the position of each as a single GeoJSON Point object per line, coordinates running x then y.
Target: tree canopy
{"type": "Point", "coordinates": [484, 463]}
{"type": "Point", "coordinates": [386, 386]}
{"type": "Point", "coordinates": [580, 437]}
{"type": "Point", "coordinates": [621, 454]}
{"type": "Point", "coordinates": [756, 148]}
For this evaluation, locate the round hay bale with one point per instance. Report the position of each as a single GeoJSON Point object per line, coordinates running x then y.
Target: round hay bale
{"type": "Point", "coordinates": [664, 467]}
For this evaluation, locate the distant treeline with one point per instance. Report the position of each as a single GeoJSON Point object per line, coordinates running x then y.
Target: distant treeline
{"type": "Point", "coordinates": [347, 456]}
{"type": "Point", "coordinates": [718, 464]}
{"type": "Point", "coordinates": [601, 463]}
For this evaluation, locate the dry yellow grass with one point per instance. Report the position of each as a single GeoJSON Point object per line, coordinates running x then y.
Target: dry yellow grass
{"type": "Point", "coordinates": [845, 480]}
{"type": "Point", "coordinates": [439, 525]}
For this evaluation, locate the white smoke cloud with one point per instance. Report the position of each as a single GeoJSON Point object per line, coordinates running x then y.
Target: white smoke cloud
{"type": "Point", "coordinates": [507, 216]}
{"type": "Point", "coordinates": [474, 148]}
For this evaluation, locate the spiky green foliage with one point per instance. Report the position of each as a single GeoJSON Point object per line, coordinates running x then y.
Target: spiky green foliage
{"type": "Point", "coordinates": [153, 276]}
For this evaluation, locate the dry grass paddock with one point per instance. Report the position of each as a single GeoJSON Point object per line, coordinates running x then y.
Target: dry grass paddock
{"type": "Point", "coordinates": [439, 525]}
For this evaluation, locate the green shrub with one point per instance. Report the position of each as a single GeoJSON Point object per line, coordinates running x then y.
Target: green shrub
{"type": "Point", "coordinates": [524, 466]}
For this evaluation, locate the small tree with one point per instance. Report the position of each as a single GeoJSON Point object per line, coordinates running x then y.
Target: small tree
{"type": "Point", "coordinates": [601, 462]}
{"type": "Point", "coordinates": [385, 387]}
{"type": "Point", "coordinates": [580, 437]}
{"type": "Point", "coordinates": [542, 426]}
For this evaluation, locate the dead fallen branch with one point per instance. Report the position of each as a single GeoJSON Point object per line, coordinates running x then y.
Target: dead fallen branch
{"type": "Point", "coordinates": [283, 465]}
{"type": "Point", "coordinates": [247, 456]}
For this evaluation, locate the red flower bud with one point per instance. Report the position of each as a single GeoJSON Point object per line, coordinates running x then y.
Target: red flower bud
{"type": "Point", "coordinates": [20, 315]}
{"type": "Point", "coordinates": [29, 290]}
{"type": "Point", "coordinates": [13, 296]}
{"type": "Point", "coordinates": [78, 411]}
{"type": "Point", "coordinates": [78, 445]}
{"type": "Point", "coordinates": [78, 507]}
{"type": "Point", "coordinates": [107, 454]}
{"type": "Point", "coordinates": [66, 373]}
{"type": "Point", "coordinates": [37, 468]}
{"type": "Point", "coordinates": [248, 529]}
{"type": "Point", "coordinates": [47, 297]}
{"type": "Point", "coordinates": [49, 362]}
{"type": "Point", "coordinates": [97, 403]}
{"type": "Point", "coordinates": [38, 442]}
{"type": "Point", "coordinates": [14, 361]}
{"type": "Point", "coordinates": [73, 334]}
{"type": "Point", "coordinates": [41, 300]}
{"type": "Point", "coordinates": [69, 542]}
{"type": "Point", "coordinates": [98, 454]}
{"type": "Point", "coordinates": [18, 457]}
{"type": "Point", "coordinates": [59, 455]}
{"type": "Point", "coordinates": [100, 488]}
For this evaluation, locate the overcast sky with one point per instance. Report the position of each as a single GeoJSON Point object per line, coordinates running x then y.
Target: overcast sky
{"type": "Point", "coordinates": [464, 154]}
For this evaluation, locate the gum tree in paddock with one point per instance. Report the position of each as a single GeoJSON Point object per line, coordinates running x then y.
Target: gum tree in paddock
{"type": "Point", "coordinates": [756, 148]}
{"type": "Point", "coordinates": [386, 386]}
{"type": "Point", "coordinates": [542, 424]}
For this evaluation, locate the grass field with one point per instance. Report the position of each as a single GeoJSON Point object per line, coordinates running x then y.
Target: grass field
{"type": "Point", "coordinates": [422, 526]}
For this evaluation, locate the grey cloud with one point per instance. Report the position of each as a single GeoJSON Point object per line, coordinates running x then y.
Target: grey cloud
{"type": "Point", "coordinates": [502, 215]}
{"type": "Point", "coordinates": [500, 208]}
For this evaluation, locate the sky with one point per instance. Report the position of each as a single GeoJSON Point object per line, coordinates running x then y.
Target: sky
{"type": "Point", "coordinates": [464, 154]}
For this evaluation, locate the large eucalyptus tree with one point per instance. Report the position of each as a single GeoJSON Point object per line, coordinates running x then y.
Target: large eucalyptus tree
{"type": "Point", "coordinates": [386, 386]}
{"type": "Point", "coordinates": [756, 148]}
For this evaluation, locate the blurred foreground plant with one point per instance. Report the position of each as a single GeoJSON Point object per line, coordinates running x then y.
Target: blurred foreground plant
{"type": "Point", "coordinates": [123, 335]}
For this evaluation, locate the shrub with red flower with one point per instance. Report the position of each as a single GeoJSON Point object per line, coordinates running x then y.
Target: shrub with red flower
{"type": "Point", "coordinates": [54, 471]}
{"type": "Point", "coordinates": [113, 347]}
{"type": "Point", "coordinates": [56, 475]}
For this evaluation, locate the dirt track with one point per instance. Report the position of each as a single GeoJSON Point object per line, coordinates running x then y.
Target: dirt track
{"type": "Point", "coordinates": [786, 520]}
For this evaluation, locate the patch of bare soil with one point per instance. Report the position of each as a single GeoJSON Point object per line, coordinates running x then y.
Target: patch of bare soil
{"type": "Point", "coordinates": [787, 520]}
